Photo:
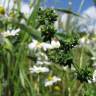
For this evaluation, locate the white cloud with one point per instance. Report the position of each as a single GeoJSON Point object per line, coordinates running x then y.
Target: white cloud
{"type": "Point", "coordinates": [90, 12]}
{"type": "Point", "coordinates": [88, 23]}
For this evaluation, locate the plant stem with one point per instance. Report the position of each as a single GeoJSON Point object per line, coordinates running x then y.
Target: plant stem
{"type": "Point", "coordinates": [81, 5]}
{"type": "Point", "coordinates": [81, 57]}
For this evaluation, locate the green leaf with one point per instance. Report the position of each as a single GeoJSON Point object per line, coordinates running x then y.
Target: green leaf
{"type": "Point", "coordinates": [60, 36]}
{"type": "Point", "coordinates": [22, 78]}
{"type": "Point", "coordinates": [81, 56]}
{"type": "Point", "coordinates": [68, 12]}
{"type": "Point", "coordinates": [8, 44]}
{"type": "Point", "coordinates": [32, 18]}
{"type": "Point", "coordinates": [32, 31]}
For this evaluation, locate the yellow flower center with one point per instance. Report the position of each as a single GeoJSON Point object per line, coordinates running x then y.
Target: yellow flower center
{"type": "Point", "coordinates": [2, 10]}
{"type": "Point", "coordinates": [57, 88]}
{"type": "Point", "coordinates": [49, 78]}
{"type": "Point", "coordinates": [39, 45]}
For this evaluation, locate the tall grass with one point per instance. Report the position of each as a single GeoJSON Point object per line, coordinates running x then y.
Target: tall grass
{"type": "Point", "coordinates": [16, 58]}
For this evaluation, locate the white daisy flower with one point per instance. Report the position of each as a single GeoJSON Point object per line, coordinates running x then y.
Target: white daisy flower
{"type": "Point", "coordinates": [38, 69]}
{"type": "Point", "coordinates": [34, 44]}
{"type": "Point", "coordinates": [10, 33]}
{"type": "Point", "coordinates": [46, 46]}
{"type": "Point", "coordinates": [43, 62]}
{"type": "Point", "coordinates": [39, 62]}
{"type": "Point", "coordinates": [51, 80]}
{"type": "Point", "coordinates": [55, 44]}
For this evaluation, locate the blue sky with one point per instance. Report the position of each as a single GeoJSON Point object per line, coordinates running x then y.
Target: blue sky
{"type": "Point", "coordinates": [64, 4]}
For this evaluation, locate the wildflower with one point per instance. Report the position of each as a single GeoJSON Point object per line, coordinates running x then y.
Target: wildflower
{"type": "Point", "coordinates": [2, 10]}
{"type": "Point", "coordinates": [46, 46]}
{"type": "Point", "coordinates": [34, 45]}
{"type": "Point", "coordinates": [39, 63]}
{"type": "Point", "coordinates": [51, 80]}
{"type": "Point", "coordinates": [10, 33]}
{"type": "Point", "coordinates": [43, 62]}
{"type": "Point", "coordinates": [38, 69]}
{"type": "Point", "coordinates": [55, 43]}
